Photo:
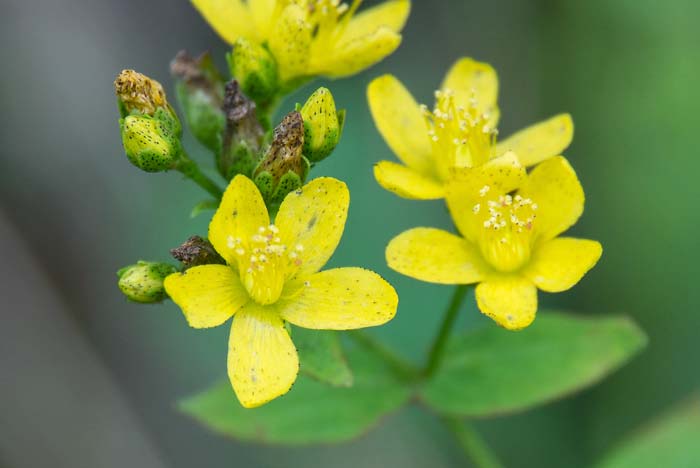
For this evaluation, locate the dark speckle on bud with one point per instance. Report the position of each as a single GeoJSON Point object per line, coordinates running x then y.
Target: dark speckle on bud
{"type": "Point", "coordinates": [196, 251]}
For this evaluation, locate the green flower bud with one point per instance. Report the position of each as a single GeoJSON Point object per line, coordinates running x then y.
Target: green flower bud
{"type": "Point", "coordinates": [284, 168]}
{"type": "Point", "coordinates": [323, 125]}
{"type": "Point", "coordinates": [200, 92]}
{"type": "Point", "coordinates": [243, 135]}
{"type": "Point", "coordinates": [143, 282]}
{"type": "Point", "coordinates": [255, 69]}
{"type": "Point", "coordinates": [196, 251]}
{"type": "Point", "coordinates": [149, 143]}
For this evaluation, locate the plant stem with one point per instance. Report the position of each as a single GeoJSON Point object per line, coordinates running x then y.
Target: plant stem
{"type": "Point", "coordinates": [400, 365]}
{"type": "Point", "coordinates": [438, 347]}
{"type": "Point", "coordinates": [191, 170]}
{"type": "Point", "coordinates": [471, 443]}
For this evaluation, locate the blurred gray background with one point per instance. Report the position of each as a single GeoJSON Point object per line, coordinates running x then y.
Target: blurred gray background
{"type": "Point", "coordinates": [89, 380]}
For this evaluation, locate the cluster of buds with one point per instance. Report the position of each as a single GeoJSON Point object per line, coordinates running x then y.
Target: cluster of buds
{"type": "Point", "coordinates": [225, 118]}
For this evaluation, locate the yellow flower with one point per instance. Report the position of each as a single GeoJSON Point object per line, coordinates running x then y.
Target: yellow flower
{"type": "Point", "coordinates": [311, 37]}
{"type": "Point", "coordinates": [459, 132]}
{"type": "Point", "coordinates": [509, 242]}
{"type": "Point", "coordinates": [273, 277]}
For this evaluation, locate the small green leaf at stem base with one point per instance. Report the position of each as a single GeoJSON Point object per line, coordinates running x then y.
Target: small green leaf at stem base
{"type": "Point", "coordinates": [673, 440]}
{"type": "Point", "coordinates": [312, 412]}
{"type": "Point", "coordinates": [493, 371]}
{"type": "Point", "coordinates": [321, 356]}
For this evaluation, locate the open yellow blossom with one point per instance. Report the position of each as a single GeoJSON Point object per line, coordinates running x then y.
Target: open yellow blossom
{"type": "Point", "coordinates": [459, 132]}
{"type": "Point", "coordinates": [273, 277]}
{"type": "Point", "coordinates": [509, 242]}
{"type": "Point", "coordinates": [311, 37]}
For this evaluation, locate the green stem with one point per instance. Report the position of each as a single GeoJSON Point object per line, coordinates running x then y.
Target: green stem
{"type": "Point", "coordinates": [191, 170]}
{"type": "Point", "coordinates": [438, 348]}
{"type": "Point", "coordinates": [400, 365]}
{"type": "Point", "coordinates": [471, 443]}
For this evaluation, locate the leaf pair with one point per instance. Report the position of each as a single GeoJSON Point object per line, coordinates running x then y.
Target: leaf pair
{"type": "Point", "coordinates": [486, 372]}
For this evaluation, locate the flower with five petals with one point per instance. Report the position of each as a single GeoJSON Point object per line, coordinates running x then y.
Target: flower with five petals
{"type": "Point", "coordinates": [509, 223]}
{"type": "Point", "coordinates": [459, 132]}
{"type": "Point", "coordinates": [272, 277]}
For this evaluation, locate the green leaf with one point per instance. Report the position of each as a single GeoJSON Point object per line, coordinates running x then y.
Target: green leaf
{"type": "Point", "coordinates": [672, 440]}
{"type": "Point", "coordinates": [311, 412]}
{"type": "Point", "coordinates": [321, 356]}
{"type": "Point", "coordinates": [492, 371]}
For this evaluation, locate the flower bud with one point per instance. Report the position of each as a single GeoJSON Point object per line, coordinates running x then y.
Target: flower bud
{"type": "Point", "coordinates": [200, 92]}
{"type": "Point", "coordinates": [149, 143]}
{"type": "Point", "coordinates": [323, 125]}
{"type": "Point", "coordinates": [138, 93]}
{"type": "Point", "coordinates": [284, 168]}
{"type": "Point", "coordinates": [255, 69]}
{"type": "Point", "coordinates": [196, 251]}
{"type": "Point", "coordinates": [243, 135]}
{"type": "Point", "coordinates": [143, 282]}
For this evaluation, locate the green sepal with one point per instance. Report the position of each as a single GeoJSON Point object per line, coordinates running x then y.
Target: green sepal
{"type": "Point", "coordinates": [492, 371]}
{"type": "Point", "coordinates": [265, 183]}
{"type": "Point", "coordinates": [241, 159]}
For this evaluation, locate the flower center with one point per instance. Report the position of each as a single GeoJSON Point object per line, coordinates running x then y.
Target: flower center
{"type": "Point", "coordinates": [506, 229]}
{"type": "Point", "coordinates": [265, 262]}
{"type": "Point", "coordinates": [460, 136]}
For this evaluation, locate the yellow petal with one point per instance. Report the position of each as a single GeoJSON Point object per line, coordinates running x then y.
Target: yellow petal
{"type": "Point", "coordinates": [241, 213]}
{"type": "Point", "coordinates": [391, 14]}
{"type": "Point", "coordinates": [401, 122]}
{"type": "Point", "coordinates": [262, 360]}
{"type": "Point", "coordinates": [208, 294]}
{"type": "Point", "coordinates": [313, 218]}
{"type": "Point", "coordinates": [406, 182]}
{"type": "Point", "coordinates": [466, 186]}
{"type": "Point", "coordinates": [229, 18]}
{"type": "Point", "coordinates": [559, 264]}
{"type": "Point", "coordinates": [435, 256]}
{"type": "Point", "coordinates": [290, 42]}
{"type": "Point", "coordinates": [261, 11]}
{"type": "Point", "coordinates": [468, 78]}
{"type": "Point", "coordinates": [554, 187]}
{"type": "Point", "coordinates": [340, 299]}
{"type": "Point", "coordinates": [510, 301]}
{"type": "Point", "coordinates": [353, 56]}
{"type": "Point", "coordinates": [540, 141]}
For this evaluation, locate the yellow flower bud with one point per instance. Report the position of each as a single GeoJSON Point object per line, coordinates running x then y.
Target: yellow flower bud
{"type": "Point", "coordinates": [255, 69]}
{"type": "Point", "coordinates": [323, 125]}
{"type": "Point", "coordinates": [143, 282]}
{"type": "Point", "coordinates": [149, 144]}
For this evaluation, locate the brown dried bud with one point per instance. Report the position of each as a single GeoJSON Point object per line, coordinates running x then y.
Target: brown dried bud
{"type": "Point", "coordinates": [243, 135]}
{"type": "Point", "coordinates": [284, 154]}
{"type": "Point", "coordinates": [199, 73]}
{"type": "Point", "coordinates": [196, 251]}
{"type": "Point", "coordinates": [139, 92]}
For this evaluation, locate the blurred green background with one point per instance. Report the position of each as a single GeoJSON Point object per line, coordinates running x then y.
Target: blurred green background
{"type": "Point", "coordinates": [91, 380]}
